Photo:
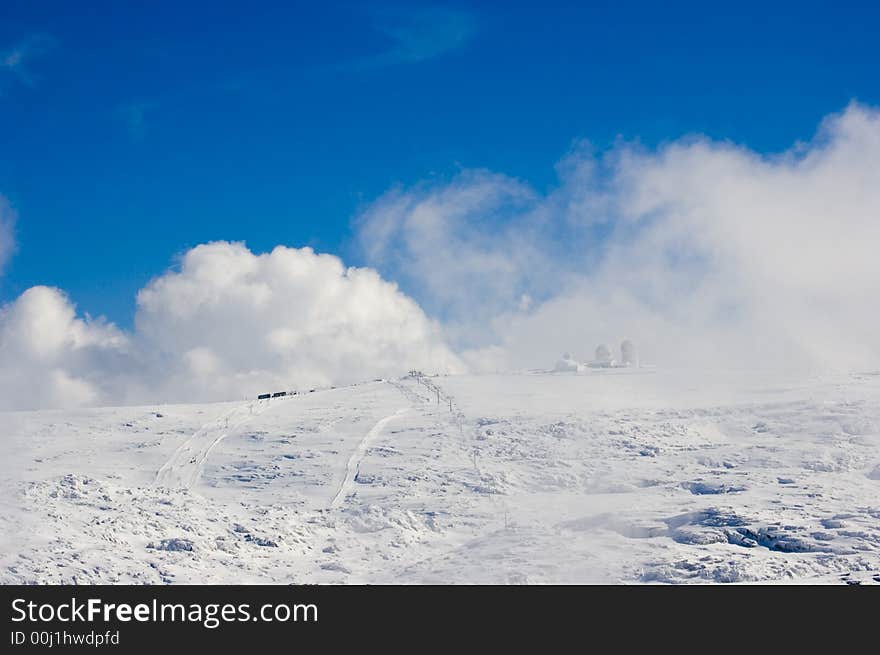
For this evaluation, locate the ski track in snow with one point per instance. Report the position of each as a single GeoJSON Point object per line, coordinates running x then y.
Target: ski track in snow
{"type": "Point", "coordinates": [352, 467]}
{"type": "Point", "coordinates": [186, 465]}
{"type": "Point", "coordinates": [632, 476]}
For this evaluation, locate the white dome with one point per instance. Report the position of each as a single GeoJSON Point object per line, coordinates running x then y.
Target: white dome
{"type": "Point", "coordinates": [628, 353]}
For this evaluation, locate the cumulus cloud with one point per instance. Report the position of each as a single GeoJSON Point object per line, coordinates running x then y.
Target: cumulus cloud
{"type": "Point", "coordinates": [231, 322]}
{"type": "Point", "coordinates": [705, 252]}
{"type": "Point", "coordinates": [51, 358]}
{"type": "Point", "coordinates": [228, 323]}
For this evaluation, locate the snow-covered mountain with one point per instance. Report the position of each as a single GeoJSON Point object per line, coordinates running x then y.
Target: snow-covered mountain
{"type": "Point", "coordinates": [631, 475]}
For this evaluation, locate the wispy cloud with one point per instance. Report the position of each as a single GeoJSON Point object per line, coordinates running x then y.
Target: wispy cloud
{"type": "Point", "coordinates": [417, 34]}
{"type": "Point", "coordinates": [16, 60]}
{"type": "Point", "coordinates": [133, 116]}
{"type": "Point", "coordinates": [7, 231]}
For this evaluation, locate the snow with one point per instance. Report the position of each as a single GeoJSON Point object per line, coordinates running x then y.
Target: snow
{"type": "Point", "coordinates": [611, 475]}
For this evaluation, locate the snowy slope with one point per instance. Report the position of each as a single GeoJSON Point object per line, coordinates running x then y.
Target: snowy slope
{"type": "Point", "coordinates": [607, 476]}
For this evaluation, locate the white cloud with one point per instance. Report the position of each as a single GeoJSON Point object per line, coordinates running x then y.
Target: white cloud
{"type": "Point", "coordinates": [51, 358]}
{"type": "Point", "coordinates": [231, 322]}
{"type": "Point", "coordinates": [228, 323]}
{"type": "Point", "coordinates": [702, 251]}
{"type": "Point", "coordinates": [444, 243]}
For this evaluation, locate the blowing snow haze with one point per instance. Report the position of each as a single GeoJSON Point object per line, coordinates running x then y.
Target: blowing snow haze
{"type": "Point", "coordinates": [715, 254]}
{"type": "Point", "coordinates": [712, 255]}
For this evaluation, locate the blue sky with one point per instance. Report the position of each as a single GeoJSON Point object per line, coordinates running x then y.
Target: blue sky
{"type": "Point", "coordinates": [129, 135]}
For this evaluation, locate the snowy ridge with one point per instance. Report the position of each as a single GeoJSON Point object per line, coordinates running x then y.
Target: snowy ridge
{"type": "Point", "coordinates": [532, 478]}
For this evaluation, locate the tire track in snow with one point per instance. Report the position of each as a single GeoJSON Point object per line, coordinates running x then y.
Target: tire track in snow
{"type": "Point", "coordinates": [354, 462]}
{"type": "Point", "coordinates": [184, 468]}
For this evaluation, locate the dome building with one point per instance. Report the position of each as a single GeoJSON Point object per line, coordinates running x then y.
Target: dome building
{"type": "Point", "coordinates": [603, 358]}
{"type": "Point", "coordinates": [629, 356]}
